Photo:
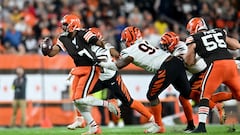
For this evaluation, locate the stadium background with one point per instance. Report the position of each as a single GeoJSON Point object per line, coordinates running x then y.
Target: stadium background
{"type": "Point", "coordinates": [47, 89]}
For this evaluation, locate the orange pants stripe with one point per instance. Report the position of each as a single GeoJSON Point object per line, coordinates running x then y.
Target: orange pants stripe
{"type": "Point", "coordinates": [85, 78]}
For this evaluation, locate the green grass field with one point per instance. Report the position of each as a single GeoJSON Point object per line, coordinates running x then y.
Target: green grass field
{"type": "Point", "coordinates": [127, 130]}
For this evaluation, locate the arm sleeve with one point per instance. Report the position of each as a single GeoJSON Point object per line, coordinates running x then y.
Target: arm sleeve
{"type": "Point", "coordinates": [89, 37]}
{"type": "Point", "coordinates": [189, 40]}
{"type": "Point", "coordinates": [60, 44]}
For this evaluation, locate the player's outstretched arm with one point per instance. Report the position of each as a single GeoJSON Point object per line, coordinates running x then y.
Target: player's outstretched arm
{"type": "Point", "coordinates": [55, 50]}
{"type": "Point", "coordinates": [114, 53]}
{"type": "Point", "coordinates": [190, 56]}
{"type": "Point", "coordinates": [100, 43]}
{"type": "Point", "coordinates": [232, 43]}
{"type": "Point", "coordinates": [119, 64]}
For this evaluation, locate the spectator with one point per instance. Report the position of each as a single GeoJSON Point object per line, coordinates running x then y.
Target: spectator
{"type": "Point", "coordinates": [30, 42]}
{"type": "Point", "coordinates": [21, 26]}
{"type": "Point", "coordinates": [161, 25]}
{"type": "Point", "coordinates": [108, 32]}
{"type": "Point", "coordinates": [15, 15]}
{"type": "Point", "coordinates": [2, 48]}
{"type": "Point", "coordinates": [148, 18]}
{"type": "Point", "coordinates": [120, 25]}
{"type": "Point", "coordinates": [12, 40]}
{"type": "Point", "coordinates": [135, 18]}
{"type": "Point", "coordinates": [150, 34]}
{"type": "Point", "coordinates": [19, 86]}
{"type": "Point", "coordinates": [92, 12]}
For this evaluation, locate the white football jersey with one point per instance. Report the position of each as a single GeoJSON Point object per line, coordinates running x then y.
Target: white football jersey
{"type": "Point", "coordinates": [145, 55]}
{"type": "Point", "coordinates": [102, 53]}
{"type": "Point", "coordinates": [181, 49]}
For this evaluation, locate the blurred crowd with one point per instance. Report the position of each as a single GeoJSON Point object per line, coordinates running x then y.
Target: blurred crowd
{"type": "Point", "coordinates": [23, 23]}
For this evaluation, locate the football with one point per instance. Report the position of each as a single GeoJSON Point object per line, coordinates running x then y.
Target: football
{"type": "Point", "coordinates": [46, 46]}
{"type": "Point", "coordinates": [47, 41]}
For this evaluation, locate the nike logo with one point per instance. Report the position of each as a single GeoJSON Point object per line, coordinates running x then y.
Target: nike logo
{"type": "Point", "coordinates": [112, 83]}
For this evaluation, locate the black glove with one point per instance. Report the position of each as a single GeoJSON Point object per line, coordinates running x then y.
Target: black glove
{"type": "Point", "coordinates": [238, 58]}
{"type": "Point", "coordinates": [46, 46]}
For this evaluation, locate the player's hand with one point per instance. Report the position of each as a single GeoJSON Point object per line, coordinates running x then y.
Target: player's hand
{"type": "Point", "coordinates": [114, 53]}
{"type": "Point", "coordinates": [237, 58]}
{"type": "Point", "coordinates": [109, 65]}
{"type": "Point", "coordinates": [46, 46]}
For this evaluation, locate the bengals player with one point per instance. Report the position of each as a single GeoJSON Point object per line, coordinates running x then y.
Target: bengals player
{"type": "Point", "coordinates": [168, 70]}
{"type": "Point", "coordinates": [113, 81]}
{"type": "Point", "coordinates": [77, 42]}
{"type": "Point", "coordinates": [212, 45]}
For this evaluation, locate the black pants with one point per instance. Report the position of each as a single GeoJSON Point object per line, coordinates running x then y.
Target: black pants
{"type": "Point", "coordinates": [172, 72]}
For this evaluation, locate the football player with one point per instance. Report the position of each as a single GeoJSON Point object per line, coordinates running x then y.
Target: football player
{"type": "Point", "coordinates": [168, 70]}
{"type": "Point", "coordinates": [212, 45]}
{"type": "Point", "coordinates": [112, 80]}
{"type": "Point", "coordinates": [77, 42]}
{"type": "Point", "coordinates": [170, 42]}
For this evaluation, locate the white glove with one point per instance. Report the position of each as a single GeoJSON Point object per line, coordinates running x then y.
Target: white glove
{"type": "Point", "coordinates": [238, 63]}
{"type": "Point", "coordinates": [109, 65]}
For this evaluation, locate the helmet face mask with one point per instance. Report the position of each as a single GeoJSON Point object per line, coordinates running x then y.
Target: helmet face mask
{"type": "Point", "coordinates": [64, 27]}
{"type": "Point", "coordinates": [125, 40]}
{"type": "Point", "coordinates": [164, 46]}
{"type": "Point", "coordinates": [123, 44]}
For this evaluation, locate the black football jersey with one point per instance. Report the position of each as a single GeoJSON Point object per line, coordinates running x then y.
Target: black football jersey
{"type": "Point", "coordinates": [210, 45]}
{"type": "Point", "coordinates": [79, 47]}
